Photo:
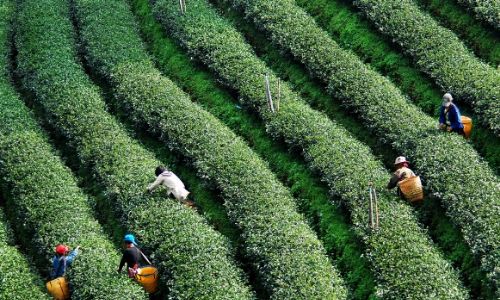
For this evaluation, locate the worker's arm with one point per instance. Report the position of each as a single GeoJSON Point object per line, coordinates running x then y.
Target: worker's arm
{"type": "Point", "coordinates": [71, 256]}
{"type": "Point", "coordinates": [442, 117]}
{"type": "Point", "coordinates": [393, 182]}
{"type": "Point", "coordinates": [122, 262]}
{"type": "Point", "coordinates": [55, 267]}
{"type": "Point", "coordinates": [155, 184]}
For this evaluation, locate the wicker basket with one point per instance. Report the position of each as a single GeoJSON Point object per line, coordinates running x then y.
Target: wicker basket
{"type": "Point", "coordinates": [412, 189]}
{"type": "Point", "coordinates": [58, 288]}
{"type": "Point", "coordinates": [467, 126]}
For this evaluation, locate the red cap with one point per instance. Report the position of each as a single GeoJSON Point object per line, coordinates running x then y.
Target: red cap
{"type": "Point", "coordinates": [61, 249]}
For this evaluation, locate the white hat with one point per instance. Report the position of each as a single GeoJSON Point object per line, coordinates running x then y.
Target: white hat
{"type": "Point", "coordinates": [400, 159]}
{"type": "Point", "coordinates": [447, 98]}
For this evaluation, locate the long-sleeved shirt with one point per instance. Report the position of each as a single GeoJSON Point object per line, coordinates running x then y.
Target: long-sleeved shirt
{"type": "Point", "coordinates": [398, 175]}
{"type": "Point", "coordinates": [453, 114]}
{"type": "Point", "coordinates": [60, 263]}
{"type": "Point", "coordinates": [131, 256]}
{"type": "Point", "coordinates": [173, 184]}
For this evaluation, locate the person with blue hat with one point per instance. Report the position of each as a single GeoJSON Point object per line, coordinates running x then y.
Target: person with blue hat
{"type": "Point", "coordinates": [131, 255]}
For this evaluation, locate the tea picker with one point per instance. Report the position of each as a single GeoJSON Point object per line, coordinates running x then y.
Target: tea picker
{"type": "Point", "coordinates": [58, 287]}
{"type": "Point", "coordinates": [173, 184]}
{"type": "Point", "coordinates": [409, 185]}
{"type": "Point", "coordinates": [451, 120]}
{"type": "Point", "coordinates": [144, 274]}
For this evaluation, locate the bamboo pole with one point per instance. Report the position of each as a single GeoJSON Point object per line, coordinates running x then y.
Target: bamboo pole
{"type": "Point", "coordinates": [279, 95]}
{"type": "Point", "coordinates": [182, 4]}
{"type": "Point", "coordinates": [376, 207]}
{"type": "Point", "coordinates": [268, 94]}
{"type": "Point", "coordinates": [370, 210]}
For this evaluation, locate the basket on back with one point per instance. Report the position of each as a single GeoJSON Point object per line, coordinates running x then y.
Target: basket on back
{"type": "Point", "coordinates": [148, 278]}
{"type": "Point", "coordinates": [412, 189]}
{"type": "Point", "coordinates": [467, 125]}
{"type": "Point", "coordinates": [58, 288]}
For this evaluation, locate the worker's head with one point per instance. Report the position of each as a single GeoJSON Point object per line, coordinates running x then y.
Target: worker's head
{"type": "Point", "coordinates": [159, 170]}
{"type": "Point", "coordinates": [129, 239]}
{"type": "Point", "coordinates": [62, 249]}
{"type": "Point", "coordinates": [447, 98]}
{"type": "Point", "coordinates": [401, 162]}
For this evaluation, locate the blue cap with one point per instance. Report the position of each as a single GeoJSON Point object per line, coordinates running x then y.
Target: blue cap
{"type": "Point", "coordinates": [129, 238]}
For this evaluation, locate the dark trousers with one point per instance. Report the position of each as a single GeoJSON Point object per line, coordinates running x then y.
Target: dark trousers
{"type": "Point", "coordinates": [459, 131]}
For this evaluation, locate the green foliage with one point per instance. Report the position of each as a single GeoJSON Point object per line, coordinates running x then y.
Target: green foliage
{"type": "Point", "coordinates": [288, 257]}
{"type": "Point", "coordinates": [351, 31]}
{"type": "Point", "coordinates": [47, 206]}
{"type": "Point", "coordinates": [487, 10]}
{"type": "Point", "coordinates": [439, 53]}
{"type": "Point", "coordinates": [194, 260]}
{"type": "Point", "coordinates": [402, 255]}
{"type": "Point", "coordinates": [483, 40]}
{"type": "Point", "coordinates": [453, 171]}
{"type": "Point", "coordinates": [331, 225]}
{"type": "Point", "coordinates": [18, 280]}
{"type": "Point", "coordinates": [448, 237]}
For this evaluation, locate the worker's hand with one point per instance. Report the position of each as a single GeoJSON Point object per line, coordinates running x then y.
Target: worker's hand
{"type": "Point", "coordinates": [441, 126]}
{"type": "Point", "coordinates": [77, 247]}
{"type": "Point", "coordinates": [448, 129]}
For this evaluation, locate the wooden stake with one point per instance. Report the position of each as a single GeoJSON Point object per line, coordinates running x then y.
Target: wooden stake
{"type": "Point", "coordinates": [376, 207]}
{"type": "Point", "coordinates": [268, 94]}
{"type": "Point", "coordinates": [182, 4]}
{"type": "Point", "coordinates": [370, 211]}
{"type": "Point", "coordinates": [279, 95]}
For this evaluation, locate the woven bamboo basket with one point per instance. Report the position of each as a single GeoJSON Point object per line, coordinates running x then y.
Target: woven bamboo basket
{"type": "Point", "coordinates": [412, 189]}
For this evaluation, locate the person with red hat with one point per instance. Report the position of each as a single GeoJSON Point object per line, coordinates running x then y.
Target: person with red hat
{"type": "Point", "coordinates": [62, 259]}
{"type": "Point", "coordinates": [402, 172]}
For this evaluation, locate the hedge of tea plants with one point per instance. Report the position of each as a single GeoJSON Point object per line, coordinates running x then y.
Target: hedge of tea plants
{"type": "Point", "coordinates": [195, 261]}
{"type": "Point", "coordinates": [352, 31]}
{"type": "Point", "coordinates": [487, 10]}
{"type": "Point", "coordinates": [289, 260]}
{"type": "Point", "coordinates": [45, 203]}
{"type": "Point", "coordinates": [481, 39]}
{"type": "Point", "coordinates": [329, 221]}
{"type": "Point", "coordinates": [19, 282]}
{"type": "Point", "coordinates": [452, 169]}
{"type": "Point", "coordinates": [330, 150]}
{"type": "Point", "coordinates": [439, 52]}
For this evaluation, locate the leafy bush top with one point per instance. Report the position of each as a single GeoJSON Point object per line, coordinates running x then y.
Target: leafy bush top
{"type": "Point", "coordinates": [440, 53]}
{"type": "Point", "coordinates": [331, 151]}
{"type": "Point", "coordinates": [195, 261]}
{"type": "Point", "coordinates": [287, 256]}
{"type": "Point", "coordinates": [453, 170]}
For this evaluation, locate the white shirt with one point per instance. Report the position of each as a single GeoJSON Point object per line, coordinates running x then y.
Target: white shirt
{"type": "Point", "coordinates": [173, 184]}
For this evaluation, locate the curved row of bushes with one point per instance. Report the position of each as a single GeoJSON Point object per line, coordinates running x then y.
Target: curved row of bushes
{"type": "Point", "coordinates": [487, 10]}
{"type": "Point", "coordinates": [448, 237]}
{"type": "Point", "coordinates": [43, 198]}
{"type": "Point", "coordinates": [49, 208]}
{"type": "Point", "coordinates": [288, 258]}
{"type": "Point", "coordinates": [484, 42]}
{"type": "Point", "coordinates": [329, 222]}
{"type": "Point", "coordinates": [351, 31]}
{"type": "Point", "coordinates": [439, 52]}
{"type": "Point", "coordinates": [453, 170]}
{"type": "Point", "coordinates": [195, 261]}
{"type": "Point", "coordinates": [331, 151]}
{"type": "Point", "coordinates": [18, 280]}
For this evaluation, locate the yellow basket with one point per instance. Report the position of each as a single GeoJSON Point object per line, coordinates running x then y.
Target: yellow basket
{"type": "Point", "coordinates": [412, 189]}
{"type": "Point", "coordinates": [148, 278]}
{"type": "Point", "coordinates": [467, 126]}
{"type": "Point", "coordinates": [58, 288]}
